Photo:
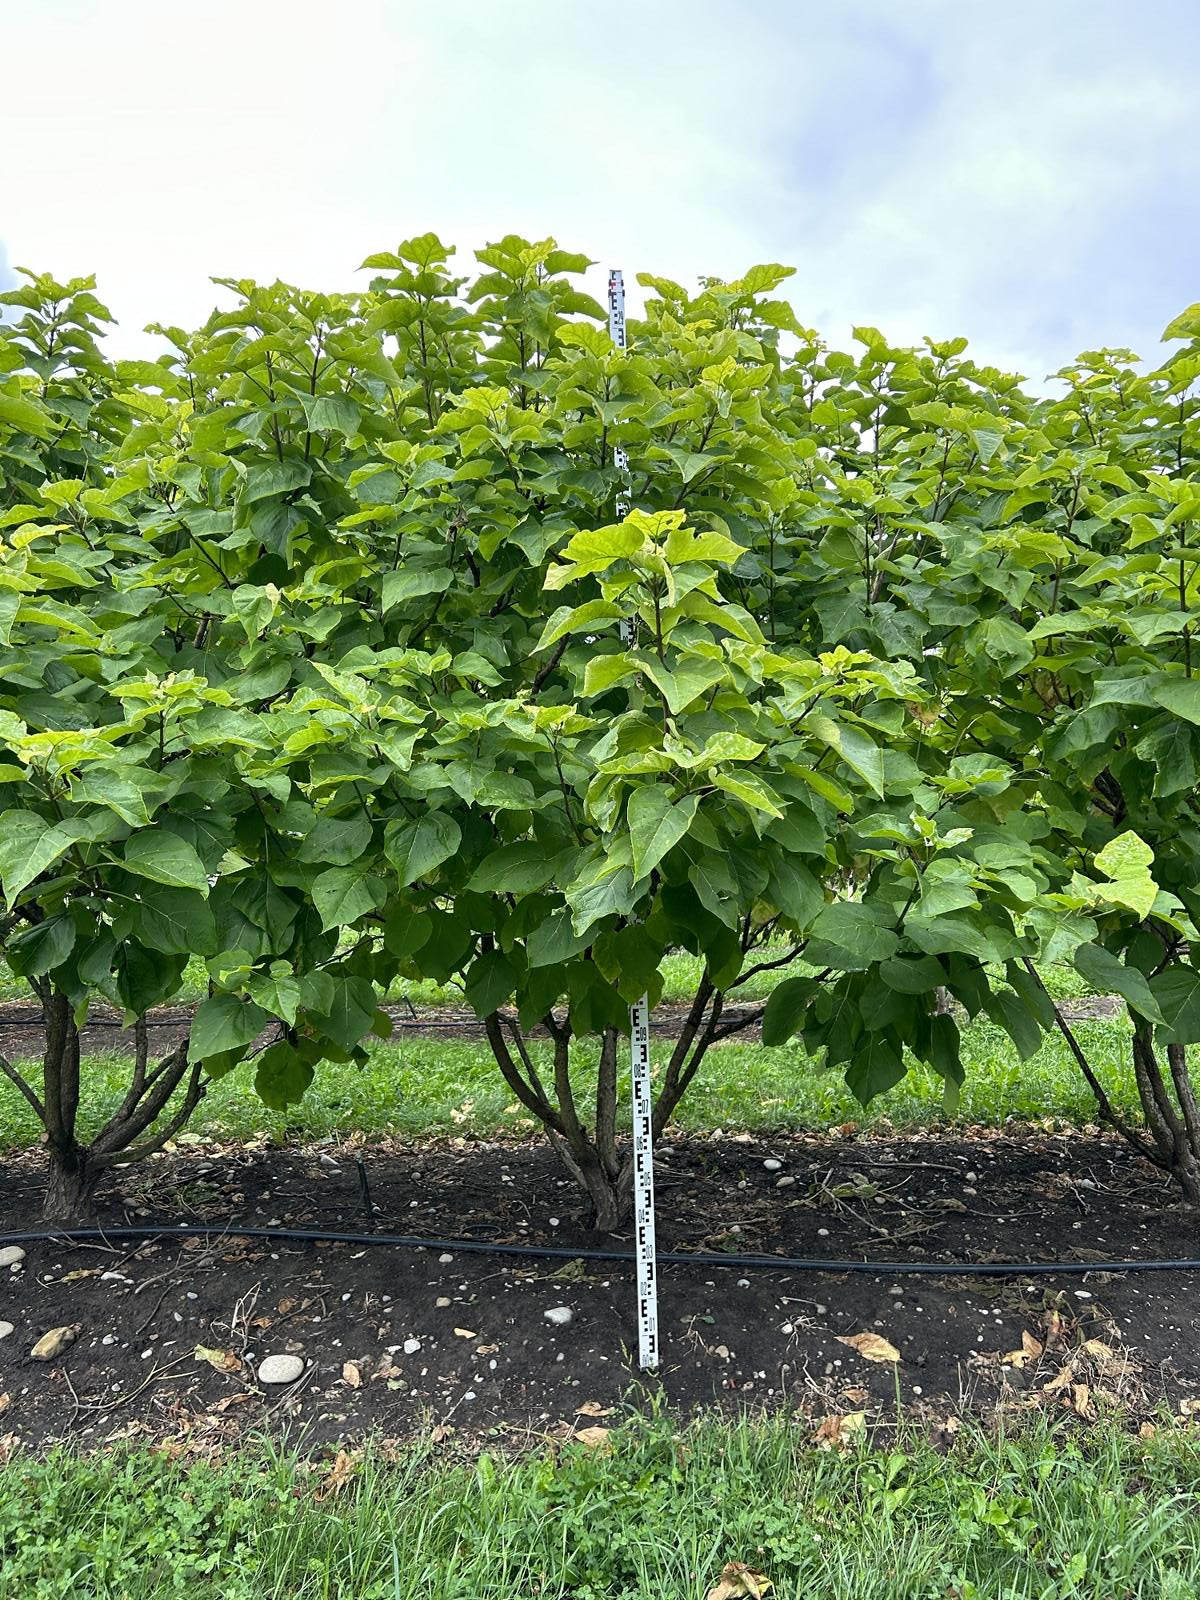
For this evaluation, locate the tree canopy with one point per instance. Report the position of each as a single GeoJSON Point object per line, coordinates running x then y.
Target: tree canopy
{"type": "Point", "coordinates": [310, 667]}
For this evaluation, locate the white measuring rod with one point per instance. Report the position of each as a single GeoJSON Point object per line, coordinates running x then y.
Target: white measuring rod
{"type": "Point", "coordinates": [639, 1012]}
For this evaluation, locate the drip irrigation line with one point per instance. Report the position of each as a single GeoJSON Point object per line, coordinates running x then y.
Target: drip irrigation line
{"type": "Point", "coordinates": [680, 1258]}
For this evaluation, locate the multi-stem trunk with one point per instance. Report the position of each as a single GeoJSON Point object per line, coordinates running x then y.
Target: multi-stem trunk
{"type": "Point", "coordinates": [594, 1151]}
{"type": "Point", "coordinates": [76, 1165]}
{"type": "Point", "coordinates": [1170, 1110]}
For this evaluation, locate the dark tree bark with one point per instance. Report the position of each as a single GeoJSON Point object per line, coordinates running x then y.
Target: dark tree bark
{"type": "Point", "coordinates": [136, 1129]}
{"type": "Point", "coordinates": [598, 1157]}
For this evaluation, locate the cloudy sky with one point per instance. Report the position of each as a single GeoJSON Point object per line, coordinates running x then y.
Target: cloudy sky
{"type": "Point", "coordinates": [1024, 173]}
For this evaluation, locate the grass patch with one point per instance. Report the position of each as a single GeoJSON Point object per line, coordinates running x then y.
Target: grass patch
{"type": "Point", "coordinates": [417, 1087]}
{"type": "Point", "coordinates": [655, 1517]}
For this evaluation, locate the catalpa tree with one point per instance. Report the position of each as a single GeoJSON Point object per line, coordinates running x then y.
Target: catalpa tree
{"type": "Point", "coordinates": [311, 670]}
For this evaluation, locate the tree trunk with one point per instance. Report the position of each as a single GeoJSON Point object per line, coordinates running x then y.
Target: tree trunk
{"type": "Point", "coordinates": [71, 1181]}
{"type": "Point", "coordinates": [611, 1196]}
{"type": "Point", "coordinates": [597, 1158]}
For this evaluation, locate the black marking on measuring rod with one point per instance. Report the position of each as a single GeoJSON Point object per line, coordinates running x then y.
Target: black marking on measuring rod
{"type": "Point", "coordinates": [639, 1013]}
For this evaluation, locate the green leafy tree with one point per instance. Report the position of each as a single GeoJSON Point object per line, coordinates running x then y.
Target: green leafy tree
{"type": "Point", "coordinates": [310, 667]}
{"type": "Point", "coordinates": [179, 777]}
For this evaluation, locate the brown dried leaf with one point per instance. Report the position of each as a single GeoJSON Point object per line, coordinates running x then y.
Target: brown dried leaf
{"type": "Point", "coordinates": [51, 1345]}
{"type": "Point", "coordinates": [840, 1433]}
{"type": "Point", "coordinates": [1102, 1354]}
{"type": "Point", "coordinates": [1081, 1398]}
{"type": "Point", "coordinates": [1031, 1350]}
{"type": "Point", "coordinates": [351, 1375]}
{"type": "Point", "coordinates": [486, 1349]}
{"type": "Point", "coordinates": [870, 1346]}
{"type": "Point", "coordinates": [441, 1433]}
{"type": "Point", "coordinates": [594, 1438]}
{"type": "Point", "coordinates": [339, 1475]}
{"type": "Point", "coordinates": [737, 1580]}
{"type": "Point", "coordinates": [222, 1360]}
{"type": "Point", "coordinates": [593, 1408]}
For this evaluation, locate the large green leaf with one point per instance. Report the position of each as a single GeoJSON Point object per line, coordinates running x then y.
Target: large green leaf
{"type": "Point", "coordinates": [657, 821]}
{"type": "Point", "coordinates": [415, 849]}
{"type": "Point", "coordinates": [165, 858]}
{"type": "Point", "coordinates": [1107, 974]}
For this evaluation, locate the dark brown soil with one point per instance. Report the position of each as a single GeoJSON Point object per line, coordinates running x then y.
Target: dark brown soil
{"type": "Point", "coordinates": [170, 1332]}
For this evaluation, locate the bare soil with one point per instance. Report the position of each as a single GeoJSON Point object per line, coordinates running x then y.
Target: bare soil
{"type": "Point", "coordinates": [169, 1333]}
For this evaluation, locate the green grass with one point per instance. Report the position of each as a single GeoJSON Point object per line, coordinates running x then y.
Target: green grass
{"type": "Point", "coordinates": [1041, 1517]}
{"type": "Point", "coordinates": [417, 1087]}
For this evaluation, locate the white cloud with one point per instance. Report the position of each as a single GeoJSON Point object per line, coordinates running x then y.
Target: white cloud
{"type": "Point", "coordinates": [1010, 173]}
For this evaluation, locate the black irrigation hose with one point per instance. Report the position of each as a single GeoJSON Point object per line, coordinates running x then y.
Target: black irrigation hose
{"type": "Point", "coordinates": [933, 1269]}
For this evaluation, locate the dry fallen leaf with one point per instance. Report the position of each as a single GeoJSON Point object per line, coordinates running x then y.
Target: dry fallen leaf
{"type": "Point", "coordinates": [1102, 1354]}
{"type": "Point", "coordinates": [465, 1333]}
{"type": "Point", "coordinates": [338, 1476]}
{"type": "Point", "coordinates": [840, 1433]}
{"type": "Point", "coordinates": [441, 1433]}
{"type": "Point", "coordinates": [737, 1579]}
{"type": "Point", "coordinates": [870, 1346]}
{"type": "Point", "coordinates": [351, 1375]}
{"type": "Point", "coordinates": [486, 1349]}
{"type": "Point", "coordinates": [593, 1408]}
{"type": "Point", "coordinates": [593, 1437]}
{"type": "Point", "coordinates": [52, 1344]}
{"type": "Point", "coordinates": [1189, 1408]}
{"type": "Point", "coordinates": [1030, 1350]}
{"type": "Point", "coordinates": [222, 1360]}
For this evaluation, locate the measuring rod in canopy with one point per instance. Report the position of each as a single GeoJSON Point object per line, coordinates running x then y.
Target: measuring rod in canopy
{"type": "Point", "coordinates": [639, 1012]}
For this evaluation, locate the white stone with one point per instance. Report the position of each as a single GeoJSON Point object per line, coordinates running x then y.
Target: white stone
{"type": "Point", "coordinates": [5, 1329]}
{"type": "Point", "coordinates": [446, 1259]}
{"type": "Point", "coordinates": [411, 1346]}
{"type": "Point", "coordinates": [559, 1315]}
{"type": "Point", "coordinates": [280, 1369]}
{"type": "Point", "coordinates": [785, 1182]}
{"type": "Point", "coordinates": [772, 1165]}
{"type": "Point", "coordinates": [743, 1283]}
{"type": "Point", "coordinates": [11, 1255]}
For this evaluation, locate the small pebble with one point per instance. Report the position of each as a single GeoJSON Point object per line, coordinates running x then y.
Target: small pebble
{"type": "Point", "coordinates": [411, 1346]}
{"type": "Point", "coordinates": [5, 1329]}
{"type": "Point", "coordinates": [11, 1255]}
{"type": "Point", "coordinates": [822, 1233]}
{"type": "Point", "coordinates": [442, 1301]}
{"type": "Point", "coordinates": [743, 1283]}
{"type": "Point", "coordinates": [772, 1165]}
{"type": "Point", "coordinates": [446, 1258]}
{"type": "Point", "coordinates": [1082, 1294]}
{"type": "Point", "coordinates": [280, 1369]}
{"type": "Point", "coordinates": [559, 1315]}
{"type": "Point", "coordinates": [785, 1182]}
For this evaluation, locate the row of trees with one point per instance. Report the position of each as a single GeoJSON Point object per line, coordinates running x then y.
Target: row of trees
{"type": "Point", "coordinates": [310, 667]}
